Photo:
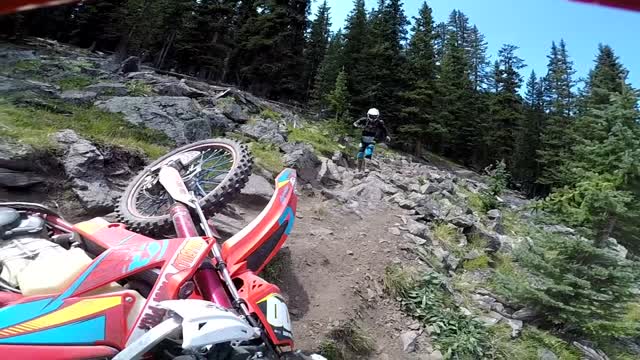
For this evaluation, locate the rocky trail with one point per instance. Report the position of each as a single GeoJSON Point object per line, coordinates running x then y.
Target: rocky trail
{"type": "Point", "coordinates": [351, 227]}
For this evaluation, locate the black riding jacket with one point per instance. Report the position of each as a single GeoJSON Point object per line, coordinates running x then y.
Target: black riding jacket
{"type": "Point", "coordinates": [372, 128]}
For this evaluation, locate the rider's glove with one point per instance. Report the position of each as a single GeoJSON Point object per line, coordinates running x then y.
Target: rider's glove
{"type": "Point", "coordinates": [388, 139]}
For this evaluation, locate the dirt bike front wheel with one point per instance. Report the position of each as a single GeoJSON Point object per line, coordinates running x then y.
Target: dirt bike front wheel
{"type": "Point", "coordinates": [215, 170]}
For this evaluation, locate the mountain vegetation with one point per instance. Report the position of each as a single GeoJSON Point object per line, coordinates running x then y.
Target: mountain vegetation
{"type": "Point", "coordinates": [572, 143]}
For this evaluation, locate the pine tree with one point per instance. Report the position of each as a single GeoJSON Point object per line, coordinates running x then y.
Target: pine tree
{"type": "Point", "coordinates": [573, 283]}
{"type": "Point", "coordinates": [328, 72]}
{"type": "Point", "coordinates": [478, 59]}
{"type": "Point", "coordinates": [606, 78]}
{"type": "Point", "coordinates": [527, 169]}
{"type": "Point", "coordinates": [357, 56]}
{"type": "Point", "coordinates": [455, 100]}
{"type": "Point", "coordinates": [506, 113]}
{"type": "Point", "coordinates": [421, 70]}
{"type": "Point", "coordinates": [271, 47]}
{"type": "Point", "coordinates": [317, 44]}
{"type": "Point", "coordinates": [338, 99]}
{"type": "Point", "coordinates": [559, 100]}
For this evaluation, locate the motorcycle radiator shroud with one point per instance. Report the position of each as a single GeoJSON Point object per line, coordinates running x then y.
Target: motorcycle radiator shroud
{"type": "Point", "coordinates": [94, 317]}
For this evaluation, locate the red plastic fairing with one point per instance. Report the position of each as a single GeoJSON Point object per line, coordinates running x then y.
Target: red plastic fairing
{"type": "Point", "coordinates": [254, 246]}
{"type": "Point", "coordinates": [265, 301]}
{"type": "Point", "coordinates": [624, 4]}
{"type": "Point", "coordinates": [17, 352]}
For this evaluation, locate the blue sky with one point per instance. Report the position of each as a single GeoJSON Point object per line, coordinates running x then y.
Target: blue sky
{"type": "Point", "coordinates": [533, 25]}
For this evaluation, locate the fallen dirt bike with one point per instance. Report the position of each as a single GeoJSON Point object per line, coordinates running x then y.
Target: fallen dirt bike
{"type": "Point", "coordinates": [97, 290]}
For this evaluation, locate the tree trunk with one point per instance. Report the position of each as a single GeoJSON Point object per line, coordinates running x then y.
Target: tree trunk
{"type": "Point", "coordinates": [605, 232]}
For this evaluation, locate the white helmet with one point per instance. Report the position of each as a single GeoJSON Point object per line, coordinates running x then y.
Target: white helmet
{"type": "Point", "coordinates": [373, 114]}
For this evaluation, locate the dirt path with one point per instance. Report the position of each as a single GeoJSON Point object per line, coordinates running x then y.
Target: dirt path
{"type": "Point", "coordinates": [334, 266]}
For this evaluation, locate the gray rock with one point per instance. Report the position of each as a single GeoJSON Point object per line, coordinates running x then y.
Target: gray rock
{"type": "Point", "coordinates": [436, 355]}
{"type": "Point", "coordinates": [428, 188]}
{"type": "Point", "coordinates": [525, 314]}
{"type": "Point", "coordinates": [516, 327]}
{"type": "Point", "coordinates": [491, 319]}
{"type": "Point", "coordinates": [484, 302]}
{"type": "Point", "coordinates": [235, 113]}
{"type": "Point", "coordinates": [328, 175]}
{"type": "Point", "coordinates": [589, 352]}
{"type": "Point", "coordinates": [258, 191]}
{"type": "Point", "coordinates": [451, 262]}
{"type": "Point", "coordinates": [491, 239]}
{"type": "Point", "coordinates": [620, 251]}
{"type": "Point", "coordinates": [265, 131]}
{"type": "Point", "coordinates": [368, 191]}
{"type": "Point", "coordinates": [430, 210]}
{"type": "Point", "coordinates": [108, 89]}
{"type": "Point", "coordinates": [302, 158]}
{"type": "Point", "coordinates": [84, 166]}
{"type": "Point", "coordinates": [394, 231]}
{"type": "Point", "coordinates": [408, 339]}
{"type": "Point", "coordinates": [406, 204]}
{"type": "Point", "coordinates": [19, 179]}
{"type": "Point", "coordinates": [473, 254]}
{"type": "Point", "coordinates": [463, 221]}
{"type": "Point", "coordinates": [546, 354]}
{"type": "Point", "coordinates": [559, 229]}
{"type": "Point", "coordinates": [180, 88]}
{"type": "Point", "coordinates": [180, 118]}
{"type": "Point", "coordinates": [10, 86]}
{"type": "Point", "coordinates": [418, 229]}
{"type": "Point", "coordinates": [130, 65]}
{"type": "Point", "coordinates": [494, 214]}
{"type": "Point", "coordinates": [448, 186]}
{"type": "Point", "coordinates": [218, 121]}
{"type": "Point", "coordinates": [415, 239]}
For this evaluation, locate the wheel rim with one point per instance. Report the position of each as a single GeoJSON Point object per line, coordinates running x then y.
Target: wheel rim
{"type": "Point", "coordinates": [206, 168]}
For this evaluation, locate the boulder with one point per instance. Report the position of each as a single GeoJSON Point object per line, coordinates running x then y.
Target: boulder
{"type": "Point", "coordinates": [130, 65]}
{"type": "Point", "coordinates": [108, 89]}
{"type": "Point", "coordinates": [328, 175]}
{"type": "Point", "coordinates": [516, 327]}
{"type": "Point", "coordinates": [78, 97]}
{"type": "Point", "coordinates": [84, 165]}
{"type": "Point", "coordinates": [546, 354]}
{"type": "Point", "coordinates": [430, 210]}
{"type": "Point", "coordinates": [180, 118]}
{"type": "Point", "coordinates": [428, 188]}
{"type": "Point", "coordinates": [409, 339]}
{"type": "Point", "coordinates": [447, 185]}
{"type": "Point", "coordinates": [478, 232]}
{"type": "Point", "coordinates": [463, 221]}
{"type": "Point", "coordinates": [436, 355]}
{"type": "Point", "coordinates": [257, 191]}
{"type": "Point", "coordinates": [302, 158]}
{"type": "Point", "coordinates": [265, 130]}
{"type": "Point", "coordinates": [179, 88]}
{"type": "Point", "coordinates": [217, 120]}
{"type": "Point", "coordinates": [494, 215]}
{"type": "Point", "coordinates": [559, 229]}
{"type": "Point", "coordinates": [418, 229]}
{"type": "Point", "coordinates": [11, 86]}
{"type": "Point", "coordinates": [234, 112]}
{"type": "Point", "coordinates": [414, 239]}
{"type": "Point", "coordinates": [525, 314]}
{"type": "Point", "coordinates": [451, 262]}
{"type": "Point", "coordinates": [19, 179]}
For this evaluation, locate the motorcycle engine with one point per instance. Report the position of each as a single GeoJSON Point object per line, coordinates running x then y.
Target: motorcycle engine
{"type": "Point", "coordinates": [23, 238]}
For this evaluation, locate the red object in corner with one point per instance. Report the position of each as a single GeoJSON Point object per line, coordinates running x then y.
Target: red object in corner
{"type": "Point", "coordinates": [623, 4]}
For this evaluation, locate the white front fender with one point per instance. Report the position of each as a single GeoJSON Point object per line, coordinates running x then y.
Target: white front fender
{"type": "Point", "coordinates": [204, 323]}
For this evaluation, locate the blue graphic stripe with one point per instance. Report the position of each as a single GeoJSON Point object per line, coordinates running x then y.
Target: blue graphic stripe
{"type": "Point", "coordinates": [57, 302]}
{"type": "Point", "coordinates": [288, 212]}
{"type": "Point", "coordinates": [285, 175]}
{"type": "Point", "coordinates": [80, 333]}
{"type": "Point", "coordinates": [15, 314]}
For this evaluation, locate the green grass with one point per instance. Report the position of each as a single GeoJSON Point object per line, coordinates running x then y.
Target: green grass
{"type": "Point", "coordinates": [270, 114]}
{"type": "Point", "coordinates": [346, 342]}
{"type": "Point", "coordinates": [398, 280]}
{"type": "Point", "coordinates": [27, 66]}
{"type": "Point", "coordinates": [139, 88]}
{"type": "Point", "coordinates": [33, 126]}
{"type": "Point", "coordinates": [322, 142]}
{"type": "Point", "coordinates": [275, 269]}
{"type": "Point", "coordinates": [267, 157]}
{"type": "Point", "coordinates": [75, 82]}
{"type": "Point", "coordinates": [527, 346]}
{"type": "Point", "coordinates": [476, 264]}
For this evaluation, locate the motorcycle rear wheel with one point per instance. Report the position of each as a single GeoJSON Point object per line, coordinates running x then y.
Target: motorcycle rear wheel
{"type": "Point", "coordinates": [216, 170]}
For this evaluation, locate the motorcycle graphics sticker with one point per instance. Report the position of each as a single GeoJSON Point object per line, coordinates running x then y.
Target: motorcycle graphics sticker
{"type": "Point", "coordinates": [277, 313]}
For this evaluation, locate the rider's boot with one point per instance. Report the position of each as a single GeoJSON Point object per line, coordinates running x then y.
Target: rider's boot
{"type": "Point", "coordinates": [360, 165]}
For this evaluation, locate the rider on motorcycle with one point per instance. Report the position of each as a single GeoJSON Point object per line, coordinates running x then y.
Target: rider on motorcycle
{"type": "Point", "coordinates": [373, 130]}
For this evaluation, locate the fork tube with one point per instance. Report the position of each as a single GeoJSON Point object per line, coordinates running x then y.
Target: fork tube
{"type": "Point", "coordinates": [210, 286]}
{"type": "Point", "coordinates": [182, 221]}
